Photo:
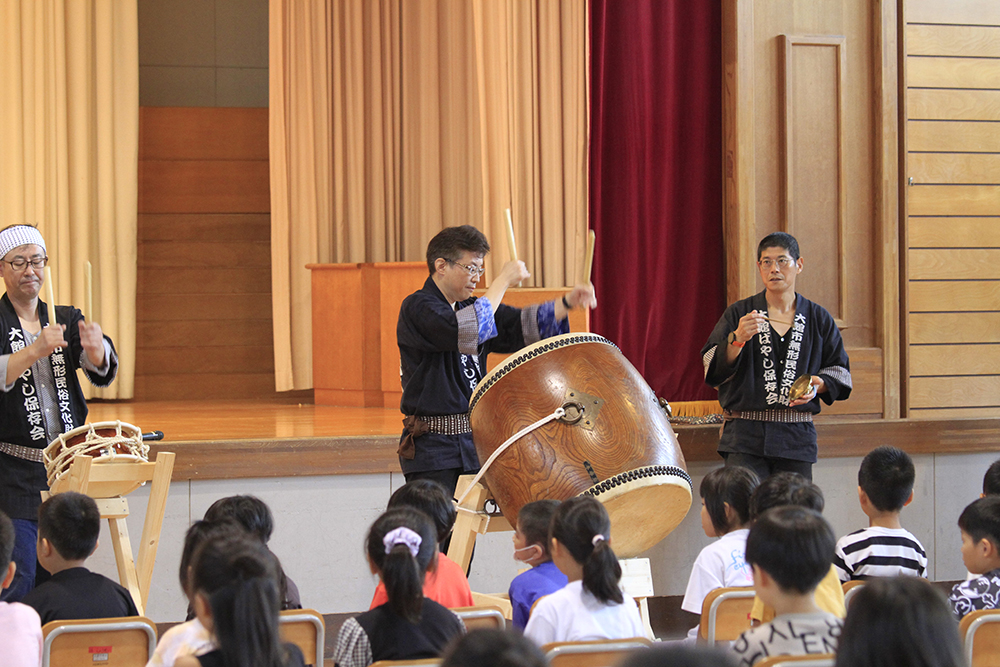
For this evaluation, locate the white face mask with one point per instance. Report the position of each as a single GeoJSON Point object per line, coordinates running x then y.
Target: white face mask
{"type": "Point", "coordinates": [526, 559]}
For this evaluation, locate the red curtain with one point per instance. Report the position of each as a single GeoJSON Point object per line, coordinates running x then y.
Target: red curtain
{"type": "Point", "coordinates": [656, 185]}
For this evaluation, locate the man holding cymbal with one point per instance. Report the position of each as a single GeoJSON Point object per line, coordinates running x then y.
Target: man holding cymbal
{"type": "Point", "coordinates": [41, 397]}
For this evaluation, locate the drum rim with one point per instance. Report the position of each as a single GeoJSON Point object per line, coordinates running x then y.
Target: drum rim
{"type": "Point", "coordinates": [529, 352]}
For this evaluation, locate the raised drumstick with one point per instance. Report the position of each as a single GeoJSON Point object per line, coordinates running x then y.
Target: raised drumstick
{"type": "Point", "coordinates": [589, 262]}
{"type": "Point", "coordinates": [510, 236]}
{"type": "Point", "coordinates": [88, 295]}
{"type": "Point", "coordinates": [50, 296]}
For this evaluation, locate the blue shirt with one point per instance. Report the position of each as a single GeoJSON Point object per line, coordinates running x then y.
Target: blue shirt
{"type": "Point", "coordinates": [528, 586]}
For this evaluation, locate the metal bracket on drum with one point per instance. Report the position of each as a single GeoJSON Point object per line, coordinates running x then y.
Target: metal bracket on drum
{"type": "Point", "coordinates": [581, 409]}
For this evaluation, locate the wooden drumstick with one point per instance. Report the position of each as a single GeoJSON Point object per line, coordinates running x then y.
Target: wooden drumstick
{"type": "Point", "coordinates": [510, 236]}
{"type": "Point", "coordinates": [589, 262]}
{"type": "Point", "coordinates": [88, 295]}
{"type": "Point", "coordinates": [50, 296]}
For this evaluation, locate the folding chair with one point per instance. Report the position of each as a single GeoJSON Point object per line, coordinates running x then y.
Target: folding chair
{"type": "Point", "coordinates": [816, 660]}
{"type": "Point", "coordinates": [725, 614]}
{"type": "Point", "coordinates": [599, 653]}
{"type": "Point", "coordinates": [406, 663]}
{"type": "Point", "coordinates": [980, 633]}
{"type": "Point", "coordinates": [485, 616]}
{"type": "Point", "coordinates": [110, 642]}
{"type": "Point", "coordinates": [851, 589]}
{"type": "Point", "coordinates": [306, 629]}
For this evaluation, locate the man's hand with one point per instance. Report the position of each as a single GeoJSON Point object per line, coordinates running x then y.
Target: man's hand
{"type": "Point", "coordinates": [92, 340]}
{"type": "Point", "coordinates": [579, 296]}
{"type": "Point", "coordinates": [750, 325]}
{"type": "Point", "coordinates": [50, 338]}
{"type": "Point", "coordinates": [513, 273]}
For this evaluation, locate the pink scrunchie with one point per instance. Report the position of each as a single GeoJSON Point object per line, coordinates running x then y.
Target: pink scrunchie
{"type": "Point", "coordinates": [405, 536]}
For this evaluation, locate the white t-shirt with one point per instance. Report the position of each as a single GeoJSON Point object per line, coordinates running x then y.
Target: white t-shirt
{"type": "Point", "coordinates": [190, 638]}
{"type": "Point", "coordinates": [573, 614]}
{"type": "Point", "coordinates": [721, 564]}
{"type": "Point", "coordinates": [20, 636]}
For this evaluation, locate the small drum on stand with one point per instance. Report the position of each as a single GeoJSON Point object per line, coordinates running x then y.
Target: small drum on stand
{"type": "Point", "coordinates": [613, 442]}
{"type": "Point", "coordinates": [106, 442]}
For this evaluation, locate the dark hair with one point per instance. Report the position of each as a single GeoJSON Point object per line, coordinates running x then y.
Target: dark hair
{"type": "Point", "coordinates": [576, 524]}
{"type": "Point", "coordinates": [779, 240]}
{"type": "Point", "coordinates": [729, 484]}
{"type": "Point", "coordinates": [6, 542]}
{"type": "Point", "coordinates": [71, 523]}
{"type": "Point", "coordinates": [886, 476]}
{"type": "Point", "coordinates": [493, 648]}
{"type": "Point", "coordinates": [197, 534]}
{"type": "Point", "coordinates": [451, 242]}
{"type": "Point", "coordinates": [899, 621]}
{"type": "Point", "coordinates": [239, 578]}
{"type": "Point", "coordinates": [794, 545]}
{"type": "Point", "coordinates": [991, 480]}
{"type": "Point", "coordinates": [785, 488]}
{"type": "Point", "coordinates": [533, 522]}
{"type": "Point", "coordinates": [250, 511]}
{"type": "Point", "coordinates": [401, 571]}
{"type": "Point", "coordinates": [432, 499]}
{"type": "Point", "coordinates": [981, 520]}
{"type": "Point", "coordinates": [679, 656]}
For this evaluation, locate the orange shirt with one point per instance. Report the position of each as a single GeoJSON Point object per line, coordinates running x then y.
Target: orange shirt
{"type": "Point", "coordinates": [446, 585]}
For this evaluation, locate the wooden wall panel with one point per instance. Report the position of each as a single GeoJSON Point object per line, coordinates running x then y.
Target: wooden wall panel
{"type": "Point", "coordinates": [952, 40]}
{"type": "Point", "coordinates": [952, 136]}
{"type": "Point", "coordinates": [949, 200]}
{"type": "Point", "coordinates": [925, 72]}
{"type": "Point", "coordinates": [934, 360]}
{"type": "Point", "coordinates": [965, 295]}
{"type": "Point", "coordinates": [954, 232]}
{"type": "Point", "coordinates": [956, 104]}
{"type": "Point", "coordinates": [963, 12]}
{"type": "Point", "coordinates": [955, 168]}
{"type": "Point", "coordinates": [946, 327]}
{"type": "Point", "coordinates": [954, 264]}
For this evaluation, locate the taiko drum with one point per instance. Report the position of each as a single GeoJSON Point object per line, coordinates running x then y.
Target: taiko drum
{"type": "Point", "coordinates": [614, 442]}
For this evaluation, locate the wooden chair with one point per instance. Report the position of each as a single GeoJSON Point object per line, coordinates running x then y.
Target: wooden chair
{"type": "Point", "coordinates": [725, 614]}
{"type": "Point", "coordinates": [109, 642]}
{"type": "Point", "coordinates": [980, 633]}
{"type": "Point", "coordinates": [306, 629]}
{"type": "Point", "coordinates": [816, 660]}
{"type": "Point", "coordinates": [851, 589]}
{"type": "Point", "coordinates": [406, 663]}
{"type": "Point", "coordinates": [482, 616]}
{"type": "Point", "coordinates": [599, 653]}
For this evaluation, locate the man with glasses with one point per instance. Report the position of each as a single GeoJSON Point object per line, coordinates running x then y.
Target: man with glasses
{"type": "Point", "coordinates": [444, 335]}
{"type": "Point", "coordinates": [41, 397]}
{"type": "Point", "coordinates": [756, 352]}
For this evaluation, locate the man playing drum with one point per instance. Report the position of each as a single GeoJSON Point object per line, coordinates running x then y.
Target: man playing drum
{"type": "Point", "coordinates": [41, 396]}
{"type": "Point", "coordinates": [444, 335]}
{"type": "Point", "coordinates": [756, 352]}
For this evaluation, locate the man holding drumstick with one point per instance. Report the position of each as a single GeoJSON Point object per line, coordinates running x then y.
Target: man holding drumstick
{"type": "Point", "coordinates": [41, 397]}
{"type": "Point", "coordinates": [444, 335]}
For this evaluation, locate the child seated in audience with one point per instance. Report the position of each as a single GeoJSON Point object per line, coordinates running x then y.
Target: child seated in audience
{"type": "Point", "coordinates": [531, 540]}
{"type": "Point", "coordinates": [68, 527]}
{"type": "Point", "coordinates": [725, 513]}
{"type": "Point", "coordinates": [991, 480]}
{"type": "Point", "coordinates": [591, 605]}
{"type": "Point", "coordinates": [445, 582]}
{"type": "Point", "coordinates": [980, 526]}
{"type": "Point", "coordinates": [790, 550]}
{"type": "Point", "coordinates": [256, 518]}
{"type": "Point", "coordinates": [884, 548]}
{"type": "Point", "coordinates": [790, 488]}
{"type": "Point", "coordinates": [235, 580]}
{"type": "Point", "coordinates": [674, 654]}
{"type": "Point", "coordinates": [899, 622]}
{"type": "Point", "coordinates": [20, 627]}
{"type": "Point", "coordinates": [493, 648]}
{"type": "Point", "coordinates": [401, 546]}
{"type": "Point", "coordinates": [191, 637]}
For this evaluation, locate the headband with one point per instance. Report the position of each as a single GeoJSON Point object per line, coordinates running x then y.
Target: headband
{"type": "Point", "coordinates": [405, 536]}
{"type": "Point", "coordinates": [597, 538]}
{"type": "Point", "coordinates": [17, 236]}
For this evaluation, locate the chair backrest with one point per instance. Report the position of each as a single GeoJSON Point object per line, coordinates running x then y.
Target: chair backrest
{"type": "Point", "coordinates": [124, 641]}
{"type": "Point", "coordinates": [485, 616]}
{"type": "Point", "coordinates": [725, 613]}
{"type": "Point", "coordinates": [816, 660]}
{"type": "Point", "coordinates": [980, 632]}
{"type": "Point", "coordinates": [851, 589]}
{"type": "Point", "coordinates": [306, 629]}
{"type": "Point", "coordinates": [598, 653]}
{"type": "Point", "coordinates": [406, 663]}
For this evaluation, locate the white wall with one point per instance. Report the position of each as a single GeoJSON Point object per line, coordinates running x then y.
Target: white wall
{"type": "Point", "coordinates": [321, 522]}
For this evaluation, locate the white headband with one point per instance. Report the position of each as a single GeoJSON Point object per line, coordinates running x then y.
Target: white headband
{"type": "Point", "coordinates": [19, 235]}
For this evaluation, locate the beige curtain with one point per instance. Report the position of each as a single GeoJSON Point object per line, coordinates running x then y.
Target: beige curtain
{"type": "Point", "coordinates": [69, 119]}
{"type": "Point", "coordinates": [391, 119]}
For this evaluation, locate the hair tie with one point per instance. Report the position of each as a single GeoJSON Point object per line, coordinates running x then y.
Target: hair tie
{"type": "Point", "coordinates": [597, 538]}
{"type": "Point", "coordinates": [402, 535]}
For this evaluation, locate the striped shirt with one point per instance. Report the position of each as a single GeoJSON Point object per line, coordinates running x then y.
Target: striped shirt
{"type": "Point", "coordinates": [879, 552]}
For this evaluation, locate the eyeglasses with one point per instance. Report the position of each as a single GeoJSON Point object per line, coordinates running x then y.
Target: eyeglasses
{"type": "Point", "coordinates": [473, 270]}
{"type": "Point", "coordinates": [782, 262]}
{"type": "Point", "coordinates": [20, 264]}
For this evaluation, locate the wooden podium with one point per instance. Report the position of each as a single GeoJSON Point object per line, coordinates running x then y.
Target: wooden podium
{"type": "Point", "coordinates": [354, 313]}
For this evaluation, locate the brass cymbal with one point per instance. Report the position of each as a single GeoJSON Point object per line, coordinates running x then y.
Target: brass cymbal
{"type": "Point", "coordinates": [801, 387]}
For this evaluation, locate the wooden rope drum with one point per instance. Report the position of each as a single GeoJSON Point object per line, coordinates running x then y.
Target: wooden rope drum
{"type": "Point", "coordinates": [107, 442]}
{"type": "Point", "coordinates": [614, 442]}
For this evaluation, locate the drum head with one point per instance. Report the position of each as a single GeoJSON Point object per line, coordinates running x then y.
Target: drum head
{"type": "Point", "coordinates": [643, 515]}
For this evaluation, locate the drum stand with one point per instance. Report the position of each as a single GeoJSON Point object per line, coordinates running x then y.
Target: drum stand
{"type": "Point", "coordinates": [105, 483]}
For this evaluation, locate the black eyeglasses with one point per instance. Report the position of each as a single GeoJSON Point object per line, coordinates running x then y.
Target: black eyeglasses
{"type": "Point", "coordinates": [20, 264]}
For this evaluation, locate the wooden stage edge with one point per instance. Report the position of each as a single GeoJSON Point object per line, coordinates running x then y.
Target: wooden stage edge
{"type": "Point", "coordinates": [261, 439]}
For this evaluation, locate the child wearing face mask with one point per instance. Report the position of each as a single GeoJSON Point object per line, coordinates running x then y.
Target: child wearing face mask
{"type": "Point", "coordinates": [531, 538]}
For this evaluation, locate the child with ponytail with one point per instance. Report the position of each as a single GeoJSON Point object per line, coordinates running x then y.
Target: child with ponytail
{"type": "Point", "coordinates": [236, 597]}
{"type": "Point", "coordinates": [401, 547]}
{"type": "Point", "coordinates": [591, 606]}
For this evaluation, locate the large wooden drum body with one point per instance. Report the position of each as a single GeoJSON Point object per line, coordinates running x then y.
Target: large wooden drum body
{"type": "Point", "coordinates": [614, 442]}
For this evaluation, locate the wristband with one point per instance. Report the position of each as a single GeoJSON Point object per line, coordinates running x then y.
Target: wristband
{"type": "Point", "coordinates": [566, 303]}
{"type": "Point", "coordinates": [733, 341]}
